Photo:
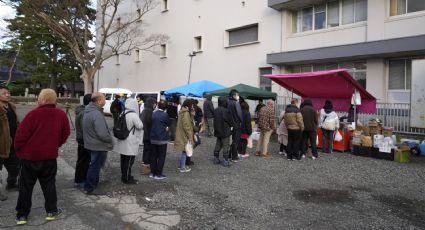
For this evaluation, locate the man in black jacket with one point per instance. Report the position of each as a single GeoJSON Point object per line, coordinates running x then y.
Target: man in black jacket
{"type": "Point", "coordinates": [83, 159]}
{"type": "Point", "coordinates": [116, 108]}
{"type": "Point", "coordinates": [173, 115]}
{"type": "Point", "coordinates": [235, 112]}
{"type": "Point", "coordinates": [146, 118]}
{"type": "Point", "coordinates": [208, 115]}
{"type": "Point", "coordinates": [222, 124]}
{"type": "Point", "coordinates": [310, 124]}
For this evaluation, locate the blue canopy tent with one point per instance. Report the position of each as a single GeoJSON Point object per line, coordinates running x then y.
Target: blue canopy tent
{"type": "Point", "coordinates": [196, 89]}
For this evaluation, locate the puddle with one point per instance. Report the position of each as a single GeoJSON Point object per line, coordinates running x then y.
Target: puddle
{"type": "Point", "coordinates": [408, 209]}
{"type": "Point", "coordinates": [323, 196]}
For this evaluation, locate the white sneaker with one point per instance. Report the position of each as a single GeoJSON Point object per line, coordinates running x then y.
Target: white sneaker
{"type": "Point", "coordinates": [186, 169]}
{"type": "Point", "coordinates": [313, 158]}
{"type": "Point", "coordinates": [280, 153]}
{"type": "Point", "coordinates": [303, 156]}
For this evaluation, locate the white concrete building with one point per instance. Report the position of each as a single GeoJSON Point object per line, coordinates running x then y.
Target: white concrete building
{"type": "Point", "coordinates": [237, 41]}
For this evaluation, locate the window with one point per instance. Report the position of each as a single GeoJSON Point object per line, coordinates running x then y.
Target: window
{"type": "Point", "coordinates": [356, 69]}
{"type": "Point", "coordinates": [399, 74]}
{"type": "Point", "coordinates": [328, 15]}
{"type": "Point", "coordinates": [163, 51]}
{"type": "Point", "coordinates": [137, 55]}
{"type": "Point", "coordinates": [197, 44]}
{"type": "Point", "coordinates": [398, 7]}
{"type": "Point", "coordinates": [164, 5]}
{"type": "Point", "coordinates": [243, 35]}
{"type": "Point", "coordinates": [265, 83]}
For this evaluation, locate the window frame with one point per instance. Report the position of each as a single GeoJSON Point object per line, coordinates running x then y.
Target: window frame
{"type": "Point", "coordinates": [406, 89]}
{"type": "Point", "coordinates": [163, 50]}
{"type": "Point", "coordinates": [165, 6]}
{"type": "Point", "coordinates": [228, 31]}
{"type": "Point", "coordinates": [198, 44]}
{"type": "Point", "coordinates": [406, 9]}
{"type": "Point", "coordinates": [137, 54]}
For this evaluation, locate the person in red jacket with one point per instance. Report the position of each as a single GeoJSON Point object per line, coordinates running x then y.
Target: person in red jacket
{"type": "Point", "coordinates": [37, 141]}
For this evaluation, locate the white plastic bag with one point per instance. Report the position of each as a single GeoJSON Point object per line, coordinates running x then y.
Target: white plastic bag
{"type": "Point", "coordinates": [249, 145]}
{"type": "Point", "coordinates": [255, 136]}
{"type": "Point", "coordinates": [317, 140]}
{"type": "Point", "coordinates": [189, 149]}
{"type": "Point", "coordinates": [338, 136]}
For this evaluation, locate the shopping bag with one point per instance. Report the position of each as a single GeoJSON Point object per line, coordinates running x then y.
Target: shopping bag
{"type": "Point", "coordinates": [189, 149]}
{"type": "Point", "coordinates": [255, 136]}
{"type": "Point", "coordinates": [317, 140]}
{"type": "Point", "coordinates": [338, 136]}
{"type": "Point", "coordinates": [249, 145]}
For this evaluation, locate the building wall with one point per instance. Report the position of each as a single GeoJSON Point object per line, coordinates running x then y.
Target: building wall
{"type": "Point", "coordinates": [182, 22]}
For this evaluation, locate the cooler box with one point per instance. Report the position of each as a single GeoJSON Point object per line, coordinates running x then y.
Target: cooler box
{"type": "Point", "coordinates": [402, 155]}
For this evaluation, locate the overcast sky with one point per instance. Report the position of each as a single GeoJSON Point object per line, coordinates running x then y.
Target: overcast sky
{"type": "Point", "coordinates": [5, 13]}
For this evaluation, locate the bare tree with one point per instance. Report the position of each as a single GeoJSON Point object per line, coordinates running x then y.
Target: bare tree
{"type": "Point", "coordinates": [117, 32]}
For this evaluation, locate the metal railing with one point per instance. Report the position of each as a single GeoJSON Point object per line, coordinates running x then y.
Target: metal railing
{"type": "Point", "coordinates": [395, 115]}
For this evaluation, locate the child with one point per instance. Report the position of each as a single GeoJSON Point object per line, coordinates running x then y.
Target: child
{"type": "Point", "coordinates": [222, 131]}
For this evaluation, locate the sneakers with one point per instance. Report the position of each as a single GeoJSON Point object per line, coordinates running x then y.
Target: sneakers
{"type": "Point", "coordinates": [280, 153]}
{"type": "Point", "coordinates": [235, 160]}
{"type": "Point", "coordinates": [226, 163]}
{"type": "Point", "coordinates": [245, 155]}
{"type": "Point", "coordinates": [303, 156]}
{"type": "Point", "coordinates": [313, 158]}
{"type": "Point", "coordinates": [22, 220]}
{"type": "Point", "coordinates": [160, 177]}
{"type": "Point", "coordinates": [53, 215]}
{"type": "Point", "coordinates": [216, 161]}
{"type": "Point", "coordinates": [130, 181]}
{"type": "Point", "coordinates": [151, 175]}
{"type": "Point", "coordinates": [185, 169]}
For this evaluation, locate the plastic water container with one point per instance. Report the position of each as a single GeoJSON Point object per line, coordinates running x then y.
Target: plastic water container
{"type": "Point", "coordinates": [422, 148]}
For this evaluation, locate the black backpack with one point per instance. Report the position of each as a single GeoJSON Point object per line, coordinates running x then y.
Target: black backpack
{"type": "Point", "coordinates": [120, 128]}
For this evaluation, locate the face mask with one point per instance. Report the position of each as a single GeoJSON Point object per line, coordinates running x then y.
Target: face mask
{"type": "Point", "coordinates": [236, 97]}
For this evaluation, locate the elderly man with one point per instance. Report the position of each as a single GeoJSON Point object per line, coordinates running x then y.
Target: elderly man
{"type": "Point", "coordinates": [97, 139]}
{"type": "Point", "coordinates": [37, 141]}
{"type": "Point", "coordinates": [8, 125]}
{"type": "Point", "coordinates": [266, 124]}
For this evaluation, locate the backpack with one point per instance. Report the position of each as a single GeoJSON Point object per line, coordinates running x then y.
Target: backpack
{"type": "Point", "coordinates": [120, 129]}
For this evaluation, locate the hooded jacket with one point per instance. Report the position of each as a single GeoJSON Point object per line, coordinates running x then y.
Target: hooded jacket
{"type": "Point", "coordinates": [309, 116]}
{"type": "Point", "coordinates": [328, 120]}
{"type": "Point", "coordinates": [146, 118]}
{"type": "Point", "coordinates": [208, 107]}
{"type": "Point", "coordinates": [235, 110]}
{"type": "Point", "coordinates": [6, 139]}
{"type": "Point", "coordinates": [130, 146]}
{"type": "Point", "coordinates": [222, 120]}
{"type": "Point", "coordinates": [41, 133]}
{"type": "Point", "coordinates": [96, 135]}
{"type": "Point", "coordinates": [160, 122]}
{"type": "Point", "coordinates": [293, 118]}
{"type": "Point", "coordinates": [184, 130]}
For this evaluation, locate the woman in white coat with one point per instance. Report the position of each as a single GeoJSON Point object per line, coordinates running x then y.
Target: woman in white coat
{"type": "Point", "coordinates": [129, 147]}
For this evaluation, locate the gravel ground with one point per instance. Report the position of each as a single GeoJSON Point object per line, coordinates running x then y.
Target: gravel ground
{"type": "Point", "coordinates": [335, 191]}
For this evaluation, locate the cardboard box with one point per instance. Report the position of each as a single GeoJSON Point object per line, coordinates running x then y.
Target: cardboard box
{"type": "Point", "coordinates": [402, 155]}
{"type": "Point", "coordinates": [367, 141]}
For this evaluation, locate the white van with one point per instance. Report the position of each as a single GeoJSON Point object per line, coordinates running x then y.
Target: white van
{"type": "Point", "coordinates": [110, 96]}
{"type": "Point", "coordinates": [144, 95]}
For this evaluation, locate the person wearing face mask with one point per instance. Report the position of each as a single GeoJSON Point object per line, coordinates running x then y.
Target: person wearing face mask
{"type": "Point", "coordinates": [235, 112]}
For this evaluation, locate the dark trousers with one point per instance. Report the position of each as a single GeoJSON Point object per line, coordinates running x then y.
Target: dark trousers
{"type": "Point", "coordinates": [294, 140]}
{"type": "Point", "coordinates": [282, 148]}
{"type": "Point", "coordinates": [12, 166]}
{"type": "Point", "coordinates": [115, 116]}
{"type": "Point", "coordinates": [236, 141]}
{"type": "Point", "coordinates": [45, 172]}
{"type": "Point", "coordinates": [126, 164]}
{"type": "Point", "coordinates": [158, 159]}
{"type": "Point", "coordinates": [97, 161]}
{"type": "Point", "coordinates": [82, 165]}
{"type": "Point", "coordinates": [242, 146]}
{"type": "Point", "coordinates": [306, 137]}
{"type": "Point", "coordinates": [147, 151]}
{"type": "Point", "coordinates": [173, 125]}
{"type": "Point", "coordinates": [222, 144]}
{"type": "Point", "coordinates": [328, 140]}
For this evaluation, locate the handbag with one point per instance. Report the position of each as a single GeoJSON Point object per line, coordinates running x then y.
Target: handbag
{"type": "Point", "coordinates": [189, 149]}
{"type": "Point", "coordinates": [338, 136]}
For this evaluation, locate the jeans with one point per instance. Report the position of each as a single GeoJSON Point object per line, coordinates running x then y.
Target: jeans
{"type": "Point", "coordinates": [183, 160]}
{"type": "Point", "coordinates": [328, 140]}
{"type": "Point", "coordinates": [158, 159]}
{"type": "Point", "coordinates": [294, 140]}
{"type": "Point", "coordinates": [222, 144]}
{"type": "Point", "coordinates": [263, 143]}
{"type": "Point", "coordinates": [45, 173]}
{"type": "Point", "coordinates": [306, 137]}
{"type": "Point", "coordinates": [97, 161]}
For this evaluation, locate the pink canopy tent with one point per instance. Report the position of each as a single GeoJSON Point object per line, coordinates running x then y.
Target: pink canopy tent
{"type": "Point", "coordinates": [335, 85]}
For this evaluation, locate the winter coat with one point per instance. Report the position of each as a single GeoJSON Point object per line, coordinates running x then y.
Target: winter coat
{"type": "Point", "coordinates": [116, 107]}
{"type": "Point", "coordinates": [146, 118]}
{"type": "Point", "coordinates": [208, 108]}
{"type": "Point", "coordinates": [222, 121]}
{"type": "Point", "coordinates": [246, 122]}
{"type": "Point", "coordinates": [266, 120]}
{"type": "Point", "coordinates": [79, 114]}
{"type": "Point", "coordinates": [6, 141]}
{"type": "Point", "coordinates": [130, 146]}
{"type": "Point", "coordinates": [96, 135]}
{"type": "Point", "coordinates": [160, 123]}
{"type": "Point", "coordinates": [282, 131]}
{"type": "Point", "coordinates": [184, 130]}
{"type": "Point", "coordinates": [293, 118]}
{"type": "Point", "coordinates": [330, 118]}
{"type": "Point", "coordinates": [41, 133]}
{"type": "Point", "coordinates": [309, 117]}
{"type": "Point", "coordinates": [235, 110]}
